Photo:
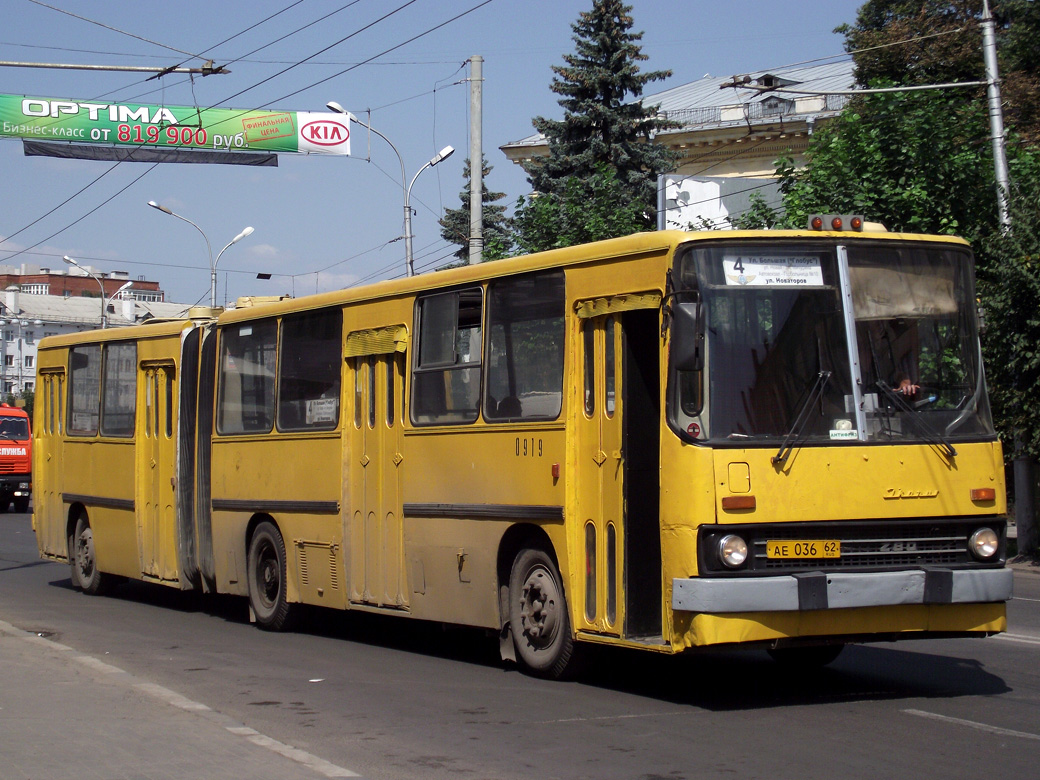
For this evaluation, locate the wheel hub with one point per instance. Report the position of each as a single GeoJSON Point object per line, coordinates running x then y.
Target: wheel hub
{"type": "Point", "coordinates": [538, 609]}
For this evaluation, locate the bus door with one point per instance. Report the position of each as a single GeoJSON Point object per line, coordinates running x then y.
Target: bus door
{"type": "Point", "coordinates": [48, 429]}
{"type": "Point", "coordinates": [600, 477]}
{"type": "Point", "coordinates": [618, 445]}
{"type": "Point", "coordinates": [156, 469]}
{"type": "Point", "coordinates": [374, 475]}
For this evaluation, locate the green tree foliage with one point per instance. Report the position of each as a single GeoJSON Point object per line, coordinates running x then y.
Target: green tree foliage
{"type": "Point", "coordinates": [922, 162]}
{"type": "Point", "coordinates": [28, 398]}
{"type": "Point", "coordinates": [938, 41]}
{"type": "Point", "coordinates": [915, 161]}
{"type": "Point", "coordinates": [1010, 290]}
{"type": "Point", "coordinates": [497, 228]}
{"type": "Point", "coordinates": [603, 128]}
{"type": "Point", "coordinates": [585, 209]}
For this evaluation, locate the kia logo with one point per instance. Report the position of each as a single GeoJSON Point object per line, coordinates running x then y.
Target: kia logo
{"type": "Point", "coordinates": [325, 132]}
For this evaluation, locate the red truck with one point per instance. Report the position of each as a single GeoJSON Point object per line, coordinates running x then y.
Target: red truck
{"type": "Point", "coordinates": [15, 459]}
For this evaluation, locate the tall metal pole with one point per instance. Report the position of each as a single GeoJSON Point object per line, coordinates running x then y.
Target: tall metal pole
{"type": "Point", "coordinates": [996, 114]}
{"type": "Point", "coordinates": [334, 106]}
{"type": "Point", "coordinates": [1024, 466]}
{"type": "Point", "coordinates": [476, 161]}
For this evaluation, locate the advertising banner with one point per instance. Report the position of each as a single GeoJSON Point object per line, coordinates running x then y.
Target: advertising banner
{"type": "Point", "coordinates": [169, 127]}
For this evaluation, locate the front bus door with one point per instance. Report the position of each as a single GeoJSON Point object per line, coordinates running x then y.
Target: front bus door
{"type": "Point", "coordinates": [618, 446]}
{"type": "Point", "coordinates": [374, 466]}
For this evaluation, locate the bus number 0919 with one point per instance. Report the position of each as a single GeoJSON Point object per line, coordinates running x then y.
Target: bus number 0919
{"type": "Point", "coordinates": [528, 447]}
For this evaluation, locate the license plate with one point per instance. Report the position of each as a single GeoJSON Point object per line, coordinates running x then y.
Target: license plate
{"type": "Point", "coordinates": [803, 548]}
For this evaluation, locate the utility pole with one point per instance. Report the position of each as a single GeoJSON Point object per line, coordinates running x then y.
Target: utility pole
{"type": "Point", "coordinates": [1024, 465]}
{"type": "Point", "coordinates": [996, 114]}
{"type": "Point", "coordinates": [476, 161]}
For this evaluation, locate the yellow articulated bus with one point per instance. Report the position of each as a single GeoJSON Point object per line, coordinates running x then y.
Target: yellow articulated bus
{"type": "Point", "coordinates": [665, 441]}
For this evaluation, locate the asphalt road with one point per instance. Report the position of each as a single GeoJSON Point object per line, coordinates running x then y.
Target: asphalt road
{"type": "Point", "coordinates": [393, 699]}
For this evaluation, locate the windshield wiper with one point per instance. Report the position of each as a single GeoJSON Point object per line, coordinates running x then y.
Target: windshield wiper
{"type": "Point", "coordinates": [928, 433]}
{"type": "Point", "coordinates": [803, 416]}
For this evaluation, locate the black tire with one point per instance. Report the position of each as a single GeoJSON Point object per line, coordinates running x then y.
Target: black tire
{"type": "Point", "coordinates": [267, 583]}
{"type": "Point", "coordinates": [21, 504]}
{"type": "Point", "coordinates": [538, 617]}
{"type": "Point", "coordinates": [806, 658]}
{"type": "Point", "coordinates": [71, 549]}
{"type": "Point", "coordinates": [85, 573]}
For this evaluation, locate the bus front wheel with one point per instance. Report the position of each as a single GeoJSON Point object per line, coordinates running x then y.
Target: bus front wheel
{"type": "Point", "coordinates": [85, 573]}
{"type": "Point", "coordinates": [538, 616]}
{"type": "Point", "coordinates": [267, 584]}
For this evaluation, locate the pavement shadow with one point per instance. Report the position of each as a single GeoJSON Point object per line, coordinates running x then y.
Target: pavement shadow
{"type": "Point", "coordinates": [708, 678]}
{"type": "Point", "coordinates": [748, 679]}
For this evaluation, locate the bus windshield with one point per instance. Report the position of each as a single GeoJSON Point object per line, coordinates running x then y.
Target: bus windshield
{"type": "Point", "coordinates": [781, 363]}
{"type": "Point", "coordinates": [14, 428]}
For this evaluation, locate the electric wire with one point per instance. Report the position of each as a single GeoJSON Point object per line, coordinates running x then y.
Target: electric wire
{"type": "Point", "coordinates": [416, 37]}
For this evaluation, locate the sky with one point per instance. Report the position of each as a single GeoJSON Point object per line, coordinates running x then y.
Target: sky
{"type": "Point", "coordinates": [321, 222]}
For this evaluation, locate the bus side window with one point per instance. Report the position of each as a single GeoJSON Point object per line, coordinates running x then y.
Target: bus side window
{"type": "Point", "coordinates": [588, 328]}
{"type": "Point", "coordinates": [446, 377]}
{"type": "Point", "coordinates": [51, 381]}
{"type": "Point", "coordinates": [525, 348]}
{"type": "Point", "coordinates": [246, 378]}
{"type": "Point", "coordinates": [84, 389]}
{"type": "Point", "coordinates": [169, 374]}
{"type": "Point", "coordinates": [119, 390]}
{"type": "Point", "coordinates": [309, 371]}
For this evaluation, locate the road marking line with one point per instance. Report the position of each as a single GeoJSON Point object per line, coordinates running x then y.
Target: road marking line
{"type": "Point", "coordinates": [973, 724]}
{"type": "Point", "coordinates": [1022, 638]}
{"type": "Point", "coordinates": [309, 760]}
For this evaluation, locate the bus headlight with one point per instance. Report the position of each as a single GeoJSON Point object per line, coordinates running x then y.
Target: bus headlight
{"type": "Point", "coordinates": [732, 551]}
{"type": "Point", "coordinates": [984, 543]}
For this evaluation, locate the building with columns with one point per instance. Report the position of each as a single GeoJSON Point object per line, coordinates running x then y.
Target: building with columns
{"type": "Point", "coordinates": [728, 137]}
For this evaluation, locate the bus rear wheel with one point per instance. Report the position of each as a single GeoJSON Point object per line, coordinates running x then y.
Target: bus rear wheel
{"type": "Point", "coordinates": [267, 584]}
{"type": "Point", "coordinates": [85, 573]}
{"type": "Point", "coordinates": [538, 616]}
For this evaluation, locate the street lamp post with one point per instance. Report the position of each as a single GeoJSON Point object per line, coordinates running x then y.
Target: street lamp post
{"type": "Point", "coordinates": [104, 303]}
{"type": "Point", "coordinates": [213, 271]}
{"type": "Point", "coordinates": [209, 249]}
{"type": "Point", "coordinates": [113, 296]}
{"type": "Point", "coordinates": [443, 154]}
{"type": "Point", "coordinates": [406, 188]}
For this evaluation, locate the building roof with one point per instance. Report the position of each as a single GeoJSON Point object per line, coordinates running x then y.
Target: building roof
{"type": "Point", "coordinates": [708, 103]}
{"type": "Point", "coordinates": [86, 312]}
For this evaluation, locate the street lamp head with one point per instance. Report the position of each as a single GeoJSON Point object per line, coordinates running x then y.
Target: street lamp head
{"type": "Point", "coordinates": [332, 105]}
{"type": "Point", "coordinates": [163, 209]}
{"type": "Point", "coordinates": [70, 261]}
{"type": "Point", "coordinates": [245, 232]}
{"type": "Point", "coordinates": [442, 155]}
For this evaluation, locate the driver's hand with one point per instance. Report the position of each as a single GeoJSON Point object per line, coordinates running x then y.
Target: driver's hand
{"type": "Point", "coordinates": [906, 387]}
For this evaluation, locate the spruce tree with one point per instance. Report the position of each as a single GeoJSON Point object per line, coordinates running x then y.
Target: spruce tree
{"type": "Point", "coordinates": [599, 128]}
{"type": "Point", "coordinates": [497, 227]}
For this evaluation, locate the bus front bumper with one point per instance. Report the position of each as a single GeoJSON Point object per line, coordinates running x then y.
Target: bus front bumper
{"type": "Point", "coordinates": [841, 590]}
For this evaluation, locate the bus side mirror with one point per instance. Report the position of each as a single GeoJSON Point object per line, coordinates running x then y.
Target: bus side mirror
{"type": "Point", "coordinates": [687, 349]}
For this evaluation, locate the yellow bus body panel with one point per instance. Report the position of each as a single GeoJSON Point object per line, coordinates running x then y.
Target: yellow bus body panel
{"type": "Point", "coordinates": [820, 484]}
{"type": "Point", "coordinates": [861, 482]}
